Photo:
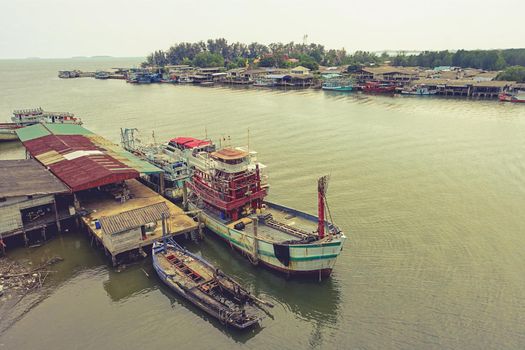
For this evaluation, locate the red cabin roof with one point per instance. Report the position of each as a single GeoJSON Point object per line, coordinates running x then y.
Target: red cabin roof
{"type": "Point", "coordinates": [190, 142]}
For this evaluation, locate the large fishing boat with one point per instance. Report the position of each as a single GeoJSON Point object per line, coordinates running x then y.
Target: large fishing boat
{"type": "Point", "coordinates": [229, 188]}
{"type": "Point", "coordinates": [515, 97]}
{"type": "Point", "coordinates": [208, 288]}
{"type": "Point", "coordinates": [26, 117]}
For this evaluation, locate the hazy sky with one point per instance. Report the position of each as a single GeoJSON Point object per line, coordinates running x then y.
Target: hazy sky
{"type": "Point", "coordinates": [65, 28]}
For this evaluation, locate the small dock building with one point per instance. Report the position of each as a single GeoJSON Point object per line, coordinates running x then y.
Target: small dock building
{"type": "Point", "coordinates": [31, 199]}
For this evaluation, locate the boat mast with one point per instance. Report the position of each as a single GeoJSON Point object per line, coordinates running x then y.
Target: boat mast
{"type": "Point", "coordinates": [322, 186]}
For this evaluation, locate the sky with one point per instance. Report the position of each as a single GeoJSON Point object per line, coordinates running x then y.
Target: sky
{"type": "Point", "coordinates": [69, 28]}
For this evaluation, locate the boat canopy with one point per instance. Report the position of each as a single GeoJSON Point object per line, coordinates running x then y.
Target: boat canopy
{"type": "Point", "coordinates": [189, 142]}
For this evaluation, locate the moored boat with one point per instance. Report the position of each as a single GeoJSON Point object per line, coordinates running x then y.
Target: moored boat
{"type": "Point", "coordinates": [379, 88]}
{"type": "Point", "coordinates": [419, 91]}
{"type": "Point", "coordinates": [205, 286]}
{"type": "Point", "coordinates": [8, 131]}
{"type": "Point", "coordinates": [27, 117]}
{"type": "Point", "coordinates": [228, 188]}
{"type": "Point", "coordinates": [335, 82]}
{"type": "Point", "coordinates": [515, 97]}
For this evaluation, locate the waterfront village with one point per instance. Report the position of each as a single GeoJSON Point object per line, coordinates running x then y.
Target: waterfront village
{"type": "Point", "coordinates": [387, 79]}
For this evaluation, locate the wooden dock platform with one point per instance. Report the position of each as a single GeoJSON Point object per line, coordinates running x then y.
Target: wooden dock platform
{"type": "Point", "coordinates": [135, 223]}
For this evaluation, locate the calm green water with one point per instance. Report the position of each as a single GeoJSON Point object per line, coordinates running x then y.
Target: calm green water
{"type": "Point", "coordinates": [430, 192]}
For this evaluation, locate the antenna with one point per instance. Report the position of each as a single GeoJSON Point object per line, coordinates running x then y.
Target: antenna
{"type": "Point", "coordinates": [248, 140]}
{"type": "Point", "coordinates": [206, 133]}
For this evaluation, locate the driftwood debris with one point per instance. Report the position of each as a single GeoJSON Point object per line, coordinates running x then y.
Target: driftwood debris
{"type": "Point", "coordinates": [16, 278]}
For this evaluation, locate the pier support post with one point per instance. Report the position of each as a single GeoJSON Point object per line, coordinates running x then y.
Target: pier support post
{"type": "Point", "coordinates": [161, 184]}
{"type": "Point", "coordinates": [44, 233]}
{"type": "Point", "coordinates": [184, 196]}
{"type": "Point", "coordinates": [57, 219]}
{"type": "Point", "coordinates": [199, 221]}
{"type": "Point", "coordinates": [114, 260]}
{"type": "Point", "coordinates": [26, 240]}
{"type": "Point", "coordinates": [2, 245]}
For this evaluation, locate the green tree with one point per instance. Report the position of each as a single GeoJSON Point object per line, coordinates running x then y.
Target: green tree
{"type": "Point", "coordinates": [208, 59]}
{"type": "Point", "coordinates": [514, 73]}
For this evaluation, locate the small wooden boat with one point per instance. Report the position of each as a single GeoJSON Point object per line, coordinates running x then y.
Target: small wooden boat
{"type": "Point", "coordinates": [515, 97]}
{"type": "Point", "coordinates": [205, 286]}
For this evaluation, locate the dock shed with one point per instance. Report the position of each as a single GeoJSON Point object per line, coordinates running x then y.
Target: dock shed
{"type": "Point", "coordinates": [28, 198]}
{"type": "Point", "coordinates": [134, 224]}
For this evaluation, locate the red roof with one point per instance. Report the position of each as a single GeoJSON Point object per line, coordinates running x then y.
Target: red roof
{"type": "Point", "coordinates": [78, 162]}
{"type": "Point", "coordinates": [190, 142]}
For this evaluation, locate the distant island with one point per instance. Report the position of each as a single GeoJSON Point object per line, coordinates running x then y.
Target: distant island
{"type": "Point", "coordinates": [220, 53]}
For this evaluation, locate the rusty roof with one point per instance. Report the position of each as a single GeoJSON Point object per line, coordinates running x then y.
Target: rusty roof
{"type": "Point", "coordinates": [229, 154]}
{"type": "Point", "coordinates": [26, 177]}
{"type": "Point", "coordinates": [134, 218]}
{"type": "Point", "coordinates": [77, 162]}
{"type": "Point", "coordinates": [80, 158]}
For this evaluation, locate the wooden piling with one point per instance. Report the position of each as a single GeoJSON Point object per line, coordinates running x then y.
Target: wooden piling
{"type": "Point", "coordinates": [57, 219]}
{"type": "Point", "coordinates": [161, 184]}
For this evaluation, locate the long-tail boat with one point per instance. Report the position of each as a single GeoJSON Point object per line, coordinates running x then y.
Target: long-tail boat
{"type": "Point", "coordinates": [205, 286]}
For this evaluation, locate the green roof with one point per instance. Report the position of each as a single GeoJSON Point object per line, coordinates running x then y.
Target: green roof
{"type": "Point", "coordinates": [40, 130]}
{"type": "Point", "coordinates": [31, 132]}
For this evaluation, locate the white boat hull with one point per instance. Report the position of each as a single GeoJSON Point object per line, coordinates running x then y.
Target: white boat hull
{"type": "Point", "coordinates": [317, 258]}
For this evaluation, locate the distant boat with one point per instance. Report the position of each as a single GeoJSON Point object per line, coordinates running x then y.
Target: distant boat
{"type": "Point", "coordinates": [336, 82]}
{"type": "Point", "coordinates": [515, 97]}
{"type": "Point", "coordinates": [8, 131]}
{"type": "Point", "coordinates": [185, 80]}
{"type": "Point", "coordinates": [101, 75]}
{"type": "Point", "coordinates": [26, 117]}
{"type": "Point", "coordinates": [419, 91]}
{"type": "Point", "coordinates": [208, 288]}
{"type": "Point", "coordinates": [380, 88]}
{"type": "Point", "coordinates": [264, 82]}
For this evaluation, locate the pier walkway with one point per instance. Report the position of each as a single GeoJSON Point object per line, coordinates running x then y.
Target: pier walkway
{"type": "Point", "coordinates": [133, 224]}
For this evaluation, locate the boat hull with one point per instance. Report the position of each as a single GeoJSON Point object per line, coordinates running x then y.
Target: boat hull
{"type": "Point", "coordinates": [337, 88]}
{"type": "Point", "coordinates": [181, 292]}
{"type": "Point", "coordinates": [8, 134]}
{"type": "Point", "coordinates": [315, 259]}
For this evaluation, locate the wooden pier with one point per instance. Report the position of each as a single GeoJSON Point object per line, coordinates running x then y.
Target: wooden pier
{"type": "Point", "coordinates": [134, 224]}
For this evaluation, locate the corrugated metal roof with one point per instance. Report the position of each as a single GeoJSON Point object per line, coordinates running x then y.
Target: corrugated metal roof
{"type": "Point", "coordinates": [26, 177]}
{"type": "Point", "coordinates": [80, 158]}
{"type": "Point", "coordinates": [133, 218]}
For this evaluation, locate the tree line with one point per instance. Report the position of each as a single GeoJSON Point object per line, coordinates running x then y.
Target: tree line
{"type": "Point", "coordinates": [482, 59]}
{"type": "Point", "coordinates": [218, 52]}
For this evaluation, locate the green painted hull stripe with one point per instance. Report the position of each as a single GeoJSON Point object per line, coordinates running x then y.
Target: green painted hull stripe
{"type": "Point", "coordinates": [262, 252]}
